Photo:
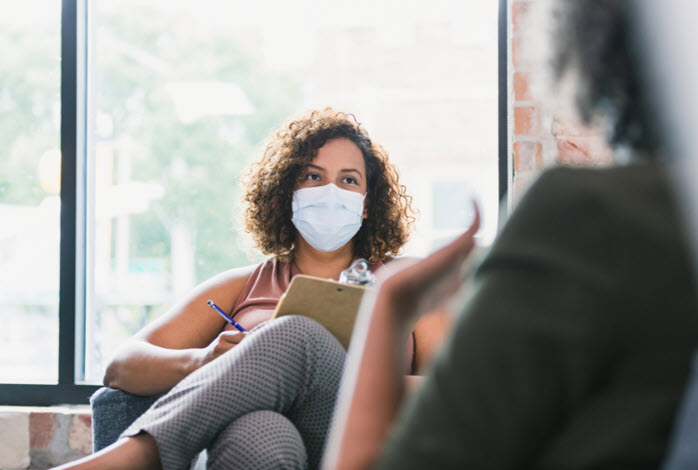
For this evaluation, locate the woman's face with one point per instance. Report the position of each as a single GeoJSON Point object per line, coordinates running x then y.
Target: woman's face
{"type": "Point", "coordinates": [339, 161]}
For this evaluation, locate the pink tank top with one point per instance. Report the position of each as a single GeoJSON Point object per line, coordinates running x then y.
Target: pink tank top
{"type": "Point", "coordinates": [263, 289]}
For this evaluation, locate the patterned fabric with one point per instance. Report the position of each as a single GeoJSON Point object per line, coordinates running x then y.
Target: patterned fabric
{"type": "Point", "coordinates": [291, 367]}
{"type": "Point", "coordinates": [259, 440]}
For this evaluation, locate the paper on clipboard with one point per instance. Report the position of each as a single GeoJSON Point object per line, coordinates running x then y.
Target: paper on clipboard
{"type": "Point", "coordinates": [332, 304]}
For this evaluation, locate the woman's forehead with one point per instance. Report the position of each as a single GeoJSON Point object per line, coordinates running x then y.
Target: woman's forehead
{"type": "Point", "coordinates": [340, 152]}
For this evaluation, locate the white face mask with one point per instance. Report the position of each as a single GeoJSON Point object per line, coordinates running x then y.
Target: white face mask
{"type": "Point", "coordinates": [326, 216]}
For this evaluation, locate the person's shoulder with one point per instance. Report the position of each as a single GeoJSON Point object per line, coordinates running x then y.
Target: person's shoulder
{"type": "Point", "coordinates": [236, 276]}
{"type": "Point", "coordinates": [593, 192]}
{"type": "Point", "coordinates": [566, 214]}
{"type": "Point", "coordinates": [608, 182]}
{"type": "Point", "coordinates": [588, 216]}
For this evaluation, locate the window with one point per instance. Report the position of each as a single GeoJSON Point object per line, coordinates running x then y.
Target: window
{"type": "Point", "coordinates": [167, 101]}
{"type": "Point", "coordinates": [30, 83]}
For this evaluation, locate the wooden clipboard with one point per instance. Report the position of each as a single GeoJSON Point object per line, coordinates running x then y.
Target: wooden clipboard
{"type": "Point", "coordinates": [332, 304]}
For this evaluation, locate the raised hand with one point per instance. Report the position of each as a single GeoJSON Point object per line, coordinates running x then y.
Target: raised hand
{"type": "Point", "coordinates": [373, 384]}
{"type": "Point", "coordinates": [417, 287]}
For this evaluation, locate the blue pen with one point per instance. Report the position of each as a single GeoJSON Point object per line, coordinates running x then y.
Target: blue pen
{"type": "Point", "coordinates": [226, 316]}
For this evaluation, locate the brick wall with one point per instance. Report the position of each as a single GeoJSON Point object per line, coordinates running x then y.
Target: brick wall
{"type": "Point", "coordinates": [39, 438]}
{"type": "Point", "coordinates": [543, 136]}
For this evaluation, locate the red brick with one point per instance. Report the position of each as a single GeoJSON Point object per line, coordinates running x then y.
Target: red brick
{"type": "Point", "coordinates": [86, 419]}
{"type": "Point", "coordinates": [41, 429]}
{"type": "Point", "coordinates": [516, 58]}
{"type": "Point", "coordinates": [518, 12]}
{"type": "Point", "coordinates": [526, 120]}
{"type": "Point", "coordinates": [528, 156]}
{"type": "Point", "coordinates": [80, 437]}
{"type": "Point", "coordinates": [522, 181]}
{"type": "Point", "coordinates": [522, 86]}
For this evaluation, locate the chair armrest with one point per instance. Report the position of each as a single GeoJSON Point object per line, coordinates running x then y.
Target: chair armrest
{"type": "Point", "coordinates": [682, 453]}
{"type": "Point", "coordinates": [114, 410]}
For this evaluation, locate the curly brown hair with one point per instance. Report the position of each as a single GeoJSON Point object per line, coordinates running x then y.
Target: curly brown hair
{"type": "Point", "coordinates": [270, 182]}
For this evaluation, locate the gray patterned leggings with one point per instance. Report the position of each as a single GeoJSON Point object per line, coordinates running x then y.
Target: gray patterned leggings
{"type": "Point", "coordinates": [266, 404]}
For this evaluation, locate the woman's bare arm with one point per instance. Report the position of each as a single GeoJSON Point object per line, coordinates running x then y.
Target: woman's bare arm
{"type": "Point", "coordinates": [179, 342]}
{"type": "Point", "coordinates": [372, 386]}
{"type": "Point", "coordinates": [429, 334]}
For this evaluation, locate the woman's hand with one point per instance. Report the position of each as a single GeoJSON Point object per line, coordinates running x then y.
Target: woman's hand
{"type": "Point", "coordinates": [223, 343]}
{"type": "Point", "coordinates": [372, 385]}
{"type": "Point", "coordinates": [417, 287]}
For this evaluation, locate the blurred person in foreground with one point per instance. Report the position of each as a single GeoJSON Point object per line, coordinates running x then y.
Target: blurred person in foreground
{"type": "Point", "coordinates": [574, 345]}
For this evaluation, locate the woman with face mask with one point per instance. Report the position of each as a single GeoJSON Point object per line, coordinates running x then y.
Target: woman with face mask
{"type": "Point", "coordinates": [322, 195]}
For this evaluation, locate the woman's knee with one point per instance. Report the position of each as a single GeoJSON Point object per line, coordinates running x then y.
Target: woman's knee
{"type": "Point", "coordinates": [293, 329]}
{"type": "Point", "coordinates": [296, 322]}
{"type": "Point", "coordinates": [259, 440]}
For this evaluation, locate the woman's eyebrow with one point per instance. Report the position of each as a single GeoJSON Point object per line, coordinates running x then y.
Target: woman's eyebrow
{"type": "Point", "coordinates": [349, 170]}
{"type": "Point", "coordinates": [312, 165]}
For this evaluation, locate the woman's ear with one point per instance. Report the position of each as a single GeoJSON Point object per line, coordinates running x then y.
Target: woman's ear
{"type": "Point", "coordinates": [365, 214]}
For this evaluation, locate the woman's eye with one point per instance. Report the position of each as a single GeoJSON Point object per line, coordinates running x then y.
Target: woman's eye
{"type": "Point", "coordinates": [313, 177]}
{"type": "Point", "coordinates": [350, 180]}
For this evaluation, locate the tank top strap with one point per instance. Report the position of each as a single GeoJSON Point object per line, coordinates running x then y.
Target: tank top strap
{"type": "Point", "coordinates": [266, 283]}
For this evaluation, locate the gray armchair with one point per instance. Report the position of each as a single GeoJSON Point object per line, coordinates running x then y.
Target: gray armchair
{"type": "Point", "coordinates": [114, 410]}
{"type": "Point", "coordinates": [683, 451]}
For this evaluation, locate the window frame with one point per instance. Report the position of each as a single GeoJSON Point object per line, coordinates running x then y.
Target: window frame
{"type": "Point", "coordinates": [71, 307]}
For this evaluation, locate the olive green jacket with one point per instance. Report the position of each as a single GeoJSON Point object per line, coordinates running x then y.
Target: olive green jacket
{"type": "Point", "coordinates": [573, 350]}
